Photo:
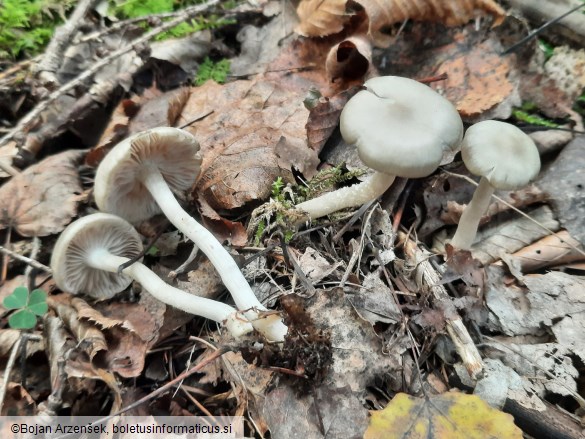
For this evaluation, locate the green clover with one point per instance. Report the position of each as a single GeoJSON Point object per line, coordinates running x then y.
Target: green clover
{"type": "Point", "coordinates": [29, 305]}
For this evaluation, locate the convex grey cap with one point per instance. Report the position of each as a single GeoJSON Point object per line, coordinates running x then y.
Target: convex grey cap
{"type": "Point", "coordinates": [400, 126]}
{"type": "Point", "coordinates": [79, 240]}
{"type": "Point", "coordinates": [500, 152]}
{"type": "Point", "coordinates": [118, 188]}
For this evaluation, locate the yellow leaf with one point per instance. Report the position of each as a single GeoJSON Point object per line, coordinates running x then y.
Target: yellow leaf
{"type": "Point", "coordinates": [446, 416]}
{"type": "Point", "coordinates": [321, 17]}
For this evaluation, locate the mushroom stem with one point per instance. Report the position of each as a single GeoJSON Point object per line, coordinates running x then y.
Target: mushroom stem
{"type": "Point", "coordinates": [351, 196]}
{"type": "Point", "coordinates": [469, 221]}
{"type": "Point", "coordinates": [271, 326]}
{"type": "Point", "coordinates": [220, 312]}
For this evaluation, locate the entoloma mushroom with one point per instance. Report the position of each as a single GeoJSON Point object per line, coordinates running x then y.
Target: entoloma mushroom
{"type": "Point", "coordinates": [137, 179]}
{"type": "Point", "coordinates": [400, 128]}
{"type": "Point", "coordinates": [505, 158]}
{"type": "Point", "coordinates": [89, 251]}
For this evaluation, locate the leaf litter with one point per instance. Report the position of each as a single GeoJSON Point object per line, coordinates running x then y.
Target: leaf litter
{"type": "Point", "coordinates": [364, 327]}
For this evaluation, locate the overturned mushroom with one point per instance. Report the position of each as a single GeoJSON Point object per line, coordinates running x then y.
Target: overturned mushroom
{"type": "Point", "coordinates": [400, 128]}
{"type": "Point", "coordinates": [505, 158]}
{"type": "Point", "coordinates": [138, 178]}
{"type": "Point", "coordinates": [89, 251]}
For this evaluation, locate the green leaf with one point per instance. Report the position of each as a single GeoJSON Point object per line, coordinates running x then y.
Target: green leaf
{"type": "Point", "coordinates": [18, 298]}
{"type": "Point", "coordinates": [37, 302]}
{"type": "Point", "coordinates": [23, 319]}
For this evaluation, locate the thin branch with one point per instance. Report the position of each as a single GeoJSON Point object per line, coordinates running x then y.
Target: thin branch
{"type": "Point", "coordinates": [29, 261]}
{"type": "Point", "coordinates": [26, 121]}
{"type": "Point", "coordinates": [53, 56]}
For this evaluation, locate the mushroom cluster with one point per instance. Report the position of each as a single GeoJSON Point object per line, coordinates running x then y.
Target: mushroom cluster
{"type": "Point", "coordinates": [139, 178]}
{"type": "Point", "coordinates": [400, 128]}
{"type": "Point", "coordinates": [88, 253]}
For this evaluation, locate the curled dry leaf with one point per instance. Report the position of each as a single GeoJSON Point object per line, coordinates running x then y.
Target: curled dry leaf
{"type": "Point", "coordinates": [321, 17]}
{"type": "Point", "coordinates": [553, 250]}
{"type": "Point", "coordinates": [349, 59]}
{"type": "Point", "coordinates": [42, 200]}
{"type": "Point", "coordinates": [384, 13]}
{"type": "Point", "coordinates": [89, 338]}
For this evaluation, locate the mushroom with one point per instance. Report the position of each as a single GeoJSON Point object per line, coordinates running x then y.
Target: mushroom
{"type": "Point", "coordinates": [89, 251]}
{"type": "Point", "coordinates": [400, 128]}
{"type": "Point", "coordinates": [138, 178]}
{"type": "Point", "coordinates": [505, 158]}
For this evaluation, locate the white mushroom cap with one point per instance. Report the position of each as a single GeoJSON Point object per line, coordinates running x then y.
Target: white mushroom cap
{"type": "Point", "coordinates": [400, 126]}
{"type": "Point", "coordinates": [500, 152]}
{"type": "Point", "coordinates": [118, 187]}
{"type": "Point", "coordinates": [69, 260]}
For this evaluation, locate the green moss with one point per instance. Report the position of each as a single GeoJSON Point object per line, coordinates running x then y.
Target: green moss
{"type": "Point", "coordinates": [217, 71]}
{"type": "Point", "coordinates": [26, 26]}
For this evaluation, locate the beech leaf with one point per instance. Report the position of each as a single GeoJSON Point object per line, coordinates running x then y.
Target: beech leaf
{"type": "Point", "coordinates": [446, 416]}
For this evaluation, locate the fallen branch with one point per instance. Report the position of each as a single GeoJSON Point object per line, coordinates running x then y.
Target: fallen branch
{"type": "Point", "coordinates": [30, 117]}
{"type": "Point", "coordinates": [47, 68]}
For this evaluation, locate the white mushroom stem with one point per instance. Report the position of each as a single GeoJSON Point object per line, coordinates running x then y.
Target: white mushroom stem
{"type": "Point", "coordinates": [351, 196]}
{"type": "Point", "coordinates": [270, 325]}
{"type": "Point", "coordinates": [469, 221]}
{"type": "Point", "coordinates": [220, 312]}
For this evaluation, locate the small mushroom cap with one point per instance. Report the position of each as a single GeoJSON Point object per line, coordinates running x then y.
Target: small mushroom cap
{"type": "Point", "coordinates": [118, 188]}
{"type": "Point", "coordinates": [70, 255]}
{"type": "Point", "coordinates": [500, 152]}
{"type": "Point", "coordinates": [400, 126]}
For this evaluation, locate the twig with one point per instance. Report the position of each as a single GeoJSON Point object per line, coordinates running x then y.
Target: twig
{"type": "Point", "coordinates": [427, 276]}
{"type": "Point", "coordinates": [8, 370]}
{"type": "Point", "coordinates": [25, 122]}
{"type": "Point", "coordinates": [36, 248]}
{"type": "Point", "coordinates": [218, 353]}
{"type": "Point", "coordinates": [553, 12]}
{"type": "Point", "coordinates": [26, 260]}
{"type": "Point", "coordinates": [18, 345]}
{"type": "Point", "coordinates": [53, 56]}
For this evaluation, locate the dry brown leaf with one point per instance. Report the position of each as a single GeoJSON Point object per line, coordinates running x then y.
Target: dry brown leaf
{"type": "Point", "coordinates": [350, 59]}
{"type": "Point", "coordinates": [43, 199]}
{"type": "Point", "coordinates": [324, 118]}
{"type": "Point", "coordinates": [128, 329]}
{"type": "Point", "coordinates": [116, 130]}
{"type": "Point", "coordinates": [7, 154]}
{"type": "Point", "coordinates": [384, 13]}
{"type": "Point", "coordinates": [552, 250]}
{"type": "Point", "coordinates": [223, 229]}
{"type": "Point", "coordinates": [479, 79]}
{"type": "Point", "coordinates": [320, 18]}
{"type": "Point", "coordinates": [254, 133]}
{"type": "Point", "coordinates": [150, 110]}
